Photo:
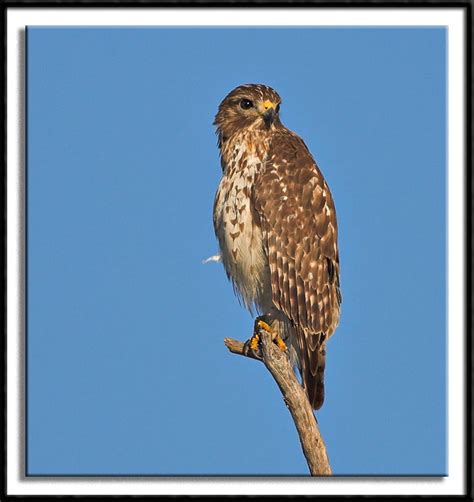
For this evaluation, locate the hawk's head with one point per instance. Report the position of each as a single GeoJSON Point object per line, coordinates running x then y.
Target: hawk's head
{"type": "Point", "coordinates": [248, 106]}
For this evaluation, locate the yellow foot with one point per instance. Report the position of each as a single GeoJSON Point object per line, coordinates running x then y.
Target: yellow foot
{"type": "Point", "coordinates": [281, 344]}
{"type": "Point", "coordinates": [252, 346]}
{"type": "Point", "coordinates": [275, 336]}
{"type": "Point", "coordinates": [263, 325]}
{"type": "Point", "coordinates": [254, 342]}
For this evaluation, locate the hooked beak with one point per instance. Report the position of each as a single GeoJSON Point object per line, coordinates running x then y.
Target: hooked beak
{"type": "Point", "coordinates": [269, 116]}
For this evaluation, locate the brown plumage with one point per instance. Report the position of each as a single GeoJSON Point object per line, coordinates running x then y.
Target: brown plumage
{"type": "Point", "coordinates": [275, 220]}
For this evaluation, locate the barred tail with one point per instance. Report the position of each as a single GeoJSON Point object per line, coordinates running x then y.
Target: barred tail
{"type": "Point", "coordinates": [314, 385]}
{"type": "Point", "coordinates": [311, 354]}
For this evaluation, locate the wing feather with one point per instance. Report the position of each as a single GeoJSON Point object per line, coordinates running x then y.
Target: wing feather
{"type": "Point", "coordinates": [298, 221]}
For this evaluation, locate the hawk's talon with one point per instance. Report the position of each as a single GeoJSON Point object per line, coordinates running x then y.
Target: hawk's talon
{"type": "Point", "coordinates": [275, 336]}
{"type": "Point", "coordinates": [281, 344]}
{"type": "Point", "coordinates": [253, 345]}
{"type": "Point", "coordinates": [254, 342]}
{"type": "Point", "coordinates": [265, 326]}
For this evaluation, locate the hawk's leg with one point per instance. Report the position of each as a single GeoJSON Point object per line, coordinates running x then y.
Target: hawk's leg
{"type": "Point", "coordinates": [262, 325]}
{"type": "Point", "coordinates": [274, 332]}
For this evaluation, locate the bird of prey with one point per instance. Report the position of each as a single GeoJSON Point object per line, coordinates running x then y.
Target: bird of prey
{"type": "Point", "coordinates": [275, 221]}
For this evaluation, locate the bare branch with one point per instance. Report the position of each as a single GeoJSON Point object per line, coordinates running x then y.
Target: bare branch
{"type": "Point", "coordinates": [277, 363]}
{"type": "Point", "coordinates": [241, 349]}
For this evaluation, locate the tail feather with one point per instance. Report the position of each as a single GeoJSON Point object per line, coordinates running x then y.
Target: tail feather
{"type": "Point", "coordinates": [312, 362]}
{"type": "Point", "coordinates": [314, 383]}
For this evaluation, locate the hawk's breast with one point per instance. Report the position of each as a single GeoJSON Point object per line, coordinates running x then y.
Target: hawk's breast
{"type": "Point", "coordinates": [238, 232]}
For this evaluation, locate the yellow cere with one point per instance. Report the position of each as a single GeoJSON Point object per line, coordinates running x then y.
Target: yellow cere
{"type": "Point", "coordinates": [268, 104]}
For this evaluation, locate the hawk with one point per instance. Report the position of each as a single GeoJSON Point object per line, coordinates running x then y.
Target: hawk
{"type": "Point", "coordinates": [275, 221]}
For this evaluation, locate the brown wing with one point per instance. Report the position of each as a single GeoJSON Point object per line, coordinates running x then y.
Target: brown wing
{"type": "Point", "coordinates": [298, 220]}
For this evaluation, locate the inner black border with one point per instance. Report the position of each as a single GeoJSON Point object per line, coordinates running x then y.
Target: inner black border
{"type": "Point", "coordinates": [379, 4]}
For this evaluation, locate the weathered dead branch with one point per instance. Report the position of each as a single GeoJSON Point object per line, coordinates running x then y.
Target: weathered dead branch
{"type": "Point", "coordinates": [294, 397]}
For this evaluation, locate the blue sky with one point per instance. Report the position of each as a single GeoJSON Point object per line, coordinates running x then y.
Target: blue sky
{"type": "Point", "coordinates": [127, 370]}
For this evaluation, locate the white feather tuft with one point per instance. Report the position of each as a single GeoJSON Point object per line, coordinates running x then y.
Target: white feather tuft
{"type": "Point", "coordinates": [216, 257]}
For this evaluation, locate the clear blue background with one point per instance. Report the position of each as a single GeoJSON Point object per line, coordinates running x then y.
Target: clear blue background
{"type": "Point", "coordinates": [127, 370]}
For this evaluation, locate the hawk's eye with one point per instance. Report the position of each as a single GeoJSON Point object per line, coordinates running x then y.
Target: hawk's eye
{"type": "Point", "coordinates": [245, 104]}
